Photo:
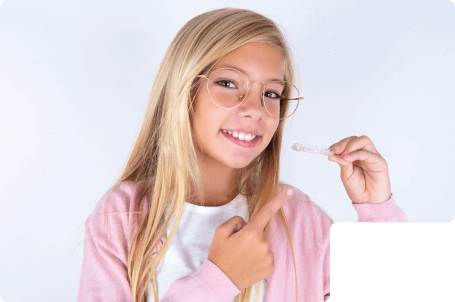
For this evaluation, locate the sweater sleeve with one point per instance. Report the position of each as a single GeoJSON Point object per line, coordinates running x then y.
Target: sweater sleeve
{"type": "Point", "coordinates": [108, 235]}
{"type": "Point", "coordinates": [104, 273]}
{"type": "Point", "coordinates": [208, 284]}
{"type": "Point", "coordinates": [104, 265]}
{"type": "Point", "coordinates": [388, 211]}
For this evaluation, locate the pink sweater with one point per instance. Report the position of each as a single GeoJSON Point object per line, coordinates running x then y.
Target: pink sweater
{"type": "Point", "coordinates": [110, 228]}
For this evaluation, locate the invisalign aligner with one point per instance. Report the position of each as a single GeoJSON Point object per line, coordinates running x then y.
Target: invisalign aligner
{"type": "Point", "coordinates": [312, 149]}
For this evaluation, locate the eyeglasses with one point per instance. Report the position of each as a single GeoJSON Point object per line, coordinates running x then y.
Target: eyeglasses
{"type": "Point", "coordinates": [229, 87]}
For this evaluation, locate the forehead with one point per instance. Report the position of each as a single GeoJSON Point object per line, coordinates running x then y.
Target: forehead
{"type": "Point", "coordinates": [259, 60]}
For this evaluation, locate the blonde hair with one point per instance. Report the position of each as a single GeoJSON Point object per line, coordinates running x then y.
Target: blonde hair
{"type": "Point", "coordinates": [164, 153]}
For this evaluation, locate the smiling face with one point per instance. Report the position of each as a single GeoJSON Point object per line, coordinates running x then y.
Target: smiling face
{"type": "Point", "coordinates": [261, 62]}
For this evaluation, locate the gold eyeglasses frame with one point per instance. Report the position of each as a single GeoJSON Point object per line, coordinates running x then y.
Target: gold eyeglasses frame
{"type": "Point", "coordinates": [249, 88]}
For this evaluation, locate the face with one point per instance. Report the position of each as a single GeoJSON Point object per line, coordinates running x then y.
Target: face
{"type": "Point", "coordinates": [261, 62]}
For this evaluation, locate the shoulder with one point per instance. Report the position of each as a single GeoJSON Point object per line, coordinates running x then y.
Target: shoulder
{"type": "Point", "coordinates": [115, 211]}
{"type": "Point", "coordinates": [309, 225]}
{"type": "Point", "coordinates": [300, 210]}
{"type": "Point", "coordinates": [119, 199]}
{"type": "Point", "coordinates": [114, 218]}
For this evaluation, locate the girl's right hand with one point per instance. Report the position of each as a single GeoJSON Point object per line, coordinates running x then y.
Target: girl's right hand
{"type": "Point", "coordinates": [240, 249]}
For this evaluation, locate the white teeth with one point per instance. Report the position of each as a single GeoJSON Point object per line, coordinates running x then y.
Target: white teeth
{"type": "Point", "coordinates": [241, 136]}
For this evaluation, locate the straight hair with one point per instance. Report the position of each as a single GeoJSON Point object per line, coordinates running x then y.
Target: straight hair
{"type": "Point", "coordinates": [164, 152]}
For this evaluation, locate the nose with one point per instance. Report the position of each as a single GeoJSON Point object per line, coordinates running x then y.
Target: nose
{"type": "Point", "coordinates": [253, 94]}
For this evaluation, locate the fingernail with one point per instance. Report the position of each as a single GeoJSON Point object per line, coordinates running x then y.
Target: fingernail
{"type": "Point", "coordinates": [289, 192]}
{"type": "Point", "coordinates": [336, 147]}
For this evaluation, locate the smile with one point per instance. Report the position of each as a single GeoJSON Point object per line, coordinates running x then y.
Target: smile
{"type": "Point", "coordinates": [247, 141]}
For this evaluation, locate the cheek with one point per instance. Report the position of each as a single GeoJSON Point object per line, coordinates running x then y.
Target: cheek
{"type": "Point", "coordinates": [274, 127]}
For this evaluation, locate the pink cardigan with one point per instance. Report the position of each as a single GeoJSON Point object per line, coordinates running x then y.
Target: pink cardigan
{"type": "Point", "coordinates": [110, 228]}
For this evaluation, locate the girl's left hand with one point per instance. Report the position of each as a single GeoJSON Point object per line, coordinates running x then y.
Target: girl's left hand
{"type": "Point", "coordinates": [364, 172]}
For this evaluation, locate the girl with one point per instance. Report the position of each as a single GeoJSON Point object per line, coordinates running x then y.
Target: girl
{"type": "Point", "coordinates": [199, 213]}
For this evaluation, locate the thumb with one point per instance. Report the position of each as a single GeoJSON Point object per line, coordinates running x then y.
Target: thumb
{"type": "Point", "coordinates": [231, 226]}
{"type": "Point", "coordinates": [346, 167]}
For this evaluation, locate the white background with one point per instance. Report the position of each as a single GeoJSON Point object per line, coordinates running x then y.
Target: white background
{"type": "Point", "coordinates": [75, 78]}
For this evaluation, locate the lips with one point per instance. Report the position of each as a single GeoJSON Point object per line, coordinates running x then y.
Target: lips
{"type": "Point", "coordinates": [245, 131]}
{"type": "Point", "coordinates": [256, 136]}
{"type": "Point", "coordinates": [242, 143]}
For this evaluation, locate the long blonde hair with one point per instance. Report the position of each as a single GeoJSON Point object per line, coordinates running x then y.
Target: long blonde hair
{"type": "Point", "coordinates": [164, 154]}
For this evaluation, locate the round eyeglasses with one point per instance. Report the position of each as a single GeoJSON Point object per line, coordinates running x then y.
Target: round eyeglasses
{"type": "Point", "coordinates": [229, 87]}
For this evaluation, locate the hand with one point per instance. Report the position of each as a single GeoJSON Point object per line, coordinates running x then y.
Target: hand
{"type": "Point", "coordinates": [240, 249]}
{"type": "Point", "coordinates": [364, 172]}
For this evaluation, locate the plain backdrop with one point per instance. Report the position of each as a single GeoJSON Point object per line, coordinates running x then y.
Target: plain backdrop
{"type": "Point", "coordinates": [75, 79]}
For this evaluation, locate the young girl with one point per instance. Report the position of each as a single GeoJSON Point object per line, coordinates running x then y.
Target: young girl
{"type": "Point", "coordinates": [199, 213]}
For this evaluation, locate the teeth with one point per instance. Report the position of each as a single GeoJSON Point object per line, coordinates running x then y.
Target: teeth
{"type": "Point", "coordinates": [241, 136]}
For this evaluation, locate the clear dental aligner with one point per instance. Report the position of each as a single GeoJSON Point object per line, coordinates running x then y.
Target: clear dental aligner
{"type": "Point", "coordinates": [312, 149]}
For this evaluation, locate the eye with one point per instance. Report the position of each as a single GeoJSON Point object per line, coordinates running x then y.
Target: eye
{"type": "Point", "coordinates": [272, 95]}
{"type": "Point", "coordinates": [226, 83]}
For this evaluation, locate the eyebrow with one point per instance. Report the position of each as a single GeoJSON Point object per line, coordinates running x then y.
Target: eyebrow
{"type": "Point", "coordinates": [240, 69]}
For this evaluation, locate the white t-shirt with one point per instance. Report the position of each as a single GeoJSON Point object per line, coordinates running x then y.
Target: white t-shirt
{"type": "Point", "coordinates": [191, 243]}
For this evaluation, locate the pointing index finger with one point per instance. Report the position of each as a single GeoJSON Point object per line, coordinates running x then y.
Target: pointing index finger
{"type": "Point", "coordinates": [270, 208]}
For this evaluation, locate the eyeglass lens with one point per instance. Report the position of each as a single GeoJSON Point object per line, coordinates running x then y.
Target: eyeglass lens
{"type": "Point", "coordinates": [228, 88]}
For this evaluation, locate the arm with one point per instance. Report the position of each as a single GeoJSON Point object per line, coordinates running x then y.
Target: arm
{"type": "Point", "coordinates": [388, 211]}
{"type": "Point", "coordinates": [208, 283]}
{"type": "Point", "coordinates": [104, 265]}
{"type": "Point", "coordinates": [104, 273]}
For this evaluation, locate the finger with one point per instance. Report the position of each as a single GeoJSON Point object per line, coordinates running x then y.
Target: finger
{"type": "Point", "coordinates": [368, 159]}
{"type": "Point", "coordinates": [354, 143]}
{"type": "Point", "coordinates": [231, 226]}
{"type": "Point", "coordinates": [239, 226]}
{"type": "Point", "coordinates": [341, 145]}
{"type": "Point", "coordinates": [372, 161]}
{"type": "Point", "coordinates": [270, 208]}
